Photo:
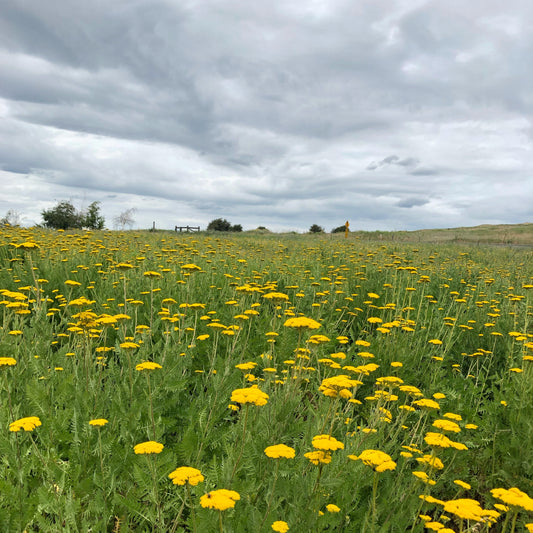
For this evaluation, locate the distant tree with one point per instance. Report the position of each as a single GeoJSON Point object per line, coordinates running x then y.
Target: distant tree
{"type": "Point", "coordinates": [63, 216]}
{"type": "Point", "coordinates": [125, 219]}
{"type": "Point", "coordinates": [339, 229]}
{"type": "Point", "coordinates": [92, 218]}
{"type": "Point", "coordinates": [219, 224]}
{"type": "Point", "coordinates": [236, 227]}
{"type": "Point", "coordinates": [315, 228]}
{"type": "Point", "coordinates": [11, 218]}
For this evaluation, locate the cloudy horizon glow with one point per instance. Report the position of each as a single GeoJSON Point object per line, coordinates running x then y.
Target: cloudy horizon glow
{"type": "Point", "coordinates": [392, 114]}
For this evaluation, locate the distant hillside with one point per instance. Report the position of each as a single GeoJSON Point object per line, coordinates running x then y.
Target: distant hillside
{"type": "Point", "coordinates": [502, 234]}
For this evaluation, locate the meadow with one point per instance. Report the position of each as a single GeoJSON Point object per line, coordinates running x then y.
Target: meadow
{"type": "Point", "coordinates": [237, 383]}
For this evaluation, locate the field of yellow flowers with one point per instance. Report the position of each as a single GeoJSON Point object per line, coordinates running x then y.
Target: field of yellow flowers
{"type": "Point", "coordinates": [177, 383]}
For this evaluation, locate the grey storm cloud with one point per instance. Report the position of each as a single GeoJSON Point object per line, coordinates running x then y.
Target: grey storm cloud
{"type": "Point", "coordinates": [395, 114]}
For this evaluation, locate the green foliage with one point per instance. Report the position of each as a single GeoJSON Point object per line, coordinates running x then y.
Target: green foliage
{"type": "Point", "coordinates": [65, 216]}
{"type": "Point", "coordinates": [339, 229]}
{"type": "Point", "coordinates": [92, 217]}
{"type": "Point", "coordinates": [221, 224]}
{"type": "Point", "coordinates": [315, 228]}
{"type": "Point", "coordinates": [67, 475]}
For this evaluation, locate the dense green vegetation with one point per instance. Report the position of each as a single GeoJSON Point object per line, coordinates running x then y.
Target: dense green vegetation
{"type": "Point", "coordinates": [125, 356]}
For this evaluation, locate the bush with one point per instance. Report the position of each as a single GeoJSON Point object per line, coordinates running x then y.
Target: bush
{"type": "Point", "coordinates": [221, 224]}
{"type": "Point", "coordinates": [315, 228]}
{"type": "Point", "coordinates": [339, 229]}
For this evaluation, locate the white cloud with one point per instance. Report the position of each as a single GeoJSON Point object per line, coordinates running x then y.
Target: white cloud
{"type": "Point", "coordinates": [392, 114]}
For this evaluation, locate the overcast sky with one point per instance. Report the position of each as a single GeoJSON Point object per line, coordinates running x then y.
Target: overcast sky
{"type": "Point", "coordinates": [392, 114]}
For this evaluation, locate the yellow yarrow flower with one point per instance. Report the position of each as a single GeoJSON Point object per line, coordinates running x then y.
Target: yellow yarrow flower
{"type": "Point", "coordinates": [447, 425]}
{"type": "Point", "coordinates": [319, 457]}
{"type": "Point", "coordinates": [148, 365]}
{"type": "Point", "coordinates": [220, 499]}
{"type": "Point", "coordinates": [301, 322]}
{"type": "Point", "coordinates": [464, 508]}
{"type": "Point", "coordinates": [280, 526]}
{"type": "Point", "coordinates": [28, 423]}
{"type": "Point", "coordinates": [438, 440]}
{"type": "Point", "coordinates": [148, 447]}
{"type": "Point", "coordinates": [513, 497]}
{"type": "Point", "coordinates": [186, 474]}
{"type": "Point", "coordinates": [98, 422]}
{"type": "Point", "coordinates": [250, 395]}
{"type": "Point", "coordinates": [376, 459]}
{"type": "Point", "coordinates": [332, 508]}
{"type": "Point", "coordinates": [327, 443]}
{"type": "Point", "coordinates": [280, 451]}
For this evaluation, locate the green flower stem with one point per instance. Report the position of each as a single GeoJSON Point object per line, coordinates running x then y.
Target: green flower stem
{"type": "Point", "coordinates": [374, 500]}
{"type": "Point", "coordinates": [160, 524]}
{"type": "Point", "coordinates": [242, 443]}
{"type": "Point", "coordinates": [101, 457]}
{"type": "Point", "coordinates": [151, 405]}
{"type": "Point", "coordinates": [271, 497]}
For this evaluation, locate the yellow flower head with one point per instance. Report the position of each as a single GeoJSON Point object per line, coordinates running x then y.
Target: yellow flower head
{"type": "Point", "coordinates": [280, 526]}
{"type": "Point", "coordinates": [128, 345]}
{"type": "Point", "coordinates": [152, 274]}
{"type": "Point", "coordinates": [464, 508]}
{"type": "Point", "coordinates": [186, 474]}
{"type": "Point", "coordinates": [301, 322]}
{"type": "Point", "coordinates": [98, 422]}
{"type": "Point", "coordinates": [513, 497]}
{"type": "Point", "coordinates": [7, 361]}
{"type": "Point", "coordinates": [447, 425]}
{"type": "Point", "coordinates": [276, 297]}
{"type": "Point", "coordinates": [432, 461]}
{"type": "Point", "coordinates": [27, 424]}
{"type": "Point", "coordinates": [220, 499]}
{"type": "Point", "coordinates": [190, 267]}
{"type": "Point", "coordinates": [438, 440]}
{"type": "Point", "coordinates": [319, 457]}
{"type": "Point", "coordinates": [332, 508]}
{"type": "Point", "coordinates": [327, 443]}
{"type": "Point", "coordinates": [376, 459]}
{"type": "Point", "coordinates": [148, 365]}
{"type": "Point", "coordinates": [148, 447]}
{"type": "Point", "coordinates": [426, 403]}
{"type": "Point", "coordinates": [280, 451]}
{"type": "Point", "coordinates": [331, 387]}
{"type": "Point", "coordinates": [249, 395]}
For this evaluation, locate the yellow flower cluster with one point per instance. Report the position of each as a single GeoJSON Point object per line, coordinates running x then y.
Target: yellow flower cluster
{"type": "Point", "coordinates": [327, 443]}
{"type": "Point", "coordinates": [376, 459]}
{"type": "Point", "coordinates": [148, 447]}
{"type": "Point", "coordinates": [513, 497]}
{"type": "Point", "coordinates": [28, 423]}
{"type": "Point", "coordinates": [148, 365]}
{"type": "Point", "coordinates": [438, 440]}
{"type": "Point", "coordinates": [280, 526]}
{"type": "Point", "coordinates": [220, 499]}
{"type": "Point", "coordinates": [280, 451]}
{"type": "Point", "coordinates": [301, 322]}
{"type": "Point", "coordinates": [319, 457]}
{"type": "Point", "coordinates": [468, 509]}
{"type": "Point", "coordinates": [249, 395]}
{"type": "Point", "coordinates": [338, 386]}
{"type": "Point", "coordinates": [186, 474]}
{"type": "Point", "coordinates": [98, 422]}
